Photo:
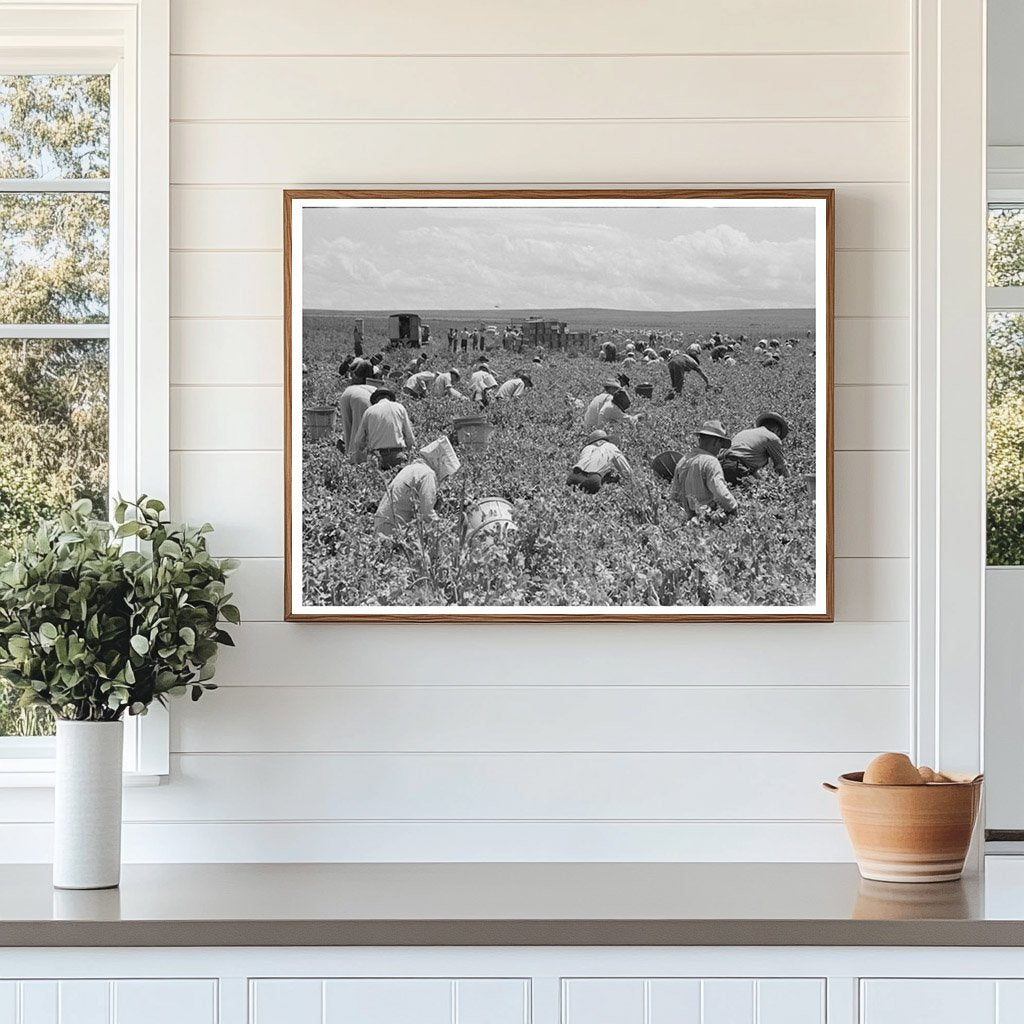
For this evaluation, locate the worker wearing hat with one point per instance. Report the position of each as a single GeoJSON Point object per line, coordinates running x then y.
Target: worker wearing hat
{"type": "Point", "coordinates": [679, 365]}
{"type": "Point", "coordinates": [444, 384]}
{"type": "Point", "coordinates": [593, 413]}
{"type": "Point", "coordinates": [514, 387]}
{"type": "Point", "coordinates": [698, 482]}
{"type": "Point", "coordinates": [412, 494]}
{"type": "Point", "coordinates": [601, 462]}
{"type": "Point", "coordinates": [752, 449]}
{"type": "Point", "coordinates": [385, 430]}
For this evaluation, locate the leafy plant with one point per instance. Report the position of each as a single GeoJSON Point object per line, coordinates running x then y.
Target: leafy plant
{"type": "Point", "coordinates": [91, 629]}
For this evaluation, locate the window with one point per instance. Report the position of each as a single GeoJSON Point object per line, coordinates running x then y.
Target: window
{"type": "Point", "coordinates": [54, 308]}
{"type": "Point", "coordinates": [84, 124]}
{"type": "Point", "coordinates": [1005, 477]}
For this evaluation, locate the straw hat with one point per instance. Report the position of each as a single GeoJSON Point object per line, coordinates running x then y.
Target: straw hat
{"type": "Point", "coordinates": [381, 393]}
{"type": "Point", "coordinates": [713, 428]}
{"type": "Point", "coordinates": [768, 418]}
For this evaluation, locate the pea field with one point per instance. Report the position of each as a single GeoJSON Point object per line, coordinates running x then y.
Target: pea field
{"type": "Point", "coordinates": [628, 546]}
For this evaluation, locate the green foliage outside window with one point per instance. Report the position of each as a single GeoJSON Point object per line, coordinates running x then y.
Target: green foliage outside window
{"type": "Point", "coordinates": [54, 269]}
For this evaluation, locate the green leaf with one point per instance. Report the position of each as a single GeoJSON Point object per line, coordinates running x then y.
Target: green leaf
{"type": "Point", "coordinates": [48, 631]}
{"type": "Point", "coordinates": [140, 644]}
{"type": "Point", "coordinates": [170, 549]}
{"type": "Point", "coordinates": [231, 613]}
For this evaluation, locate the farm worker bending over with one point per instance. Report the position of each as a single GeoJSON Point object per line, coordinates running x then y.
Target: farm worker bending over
{"type": "Point", "coordinates": [413, 492]}
{"type": "Point", "coordinates": [752, 449]}
{"type": "Point", "coordinates": [679, 365]}
{"type": "Point", "coordinates": [698, 481]}
{"type": "Point", "coordinates": [601, 462]}
{"type": "Point", "coordinates": [359, 369]}
{"type": "Point", "coordinates": [419, 384]}
{"type": "Point", "coordinates": [609, 353]}
{"type": "Point", "coordinates": [614, 413]}
{"type": "Point", "coordinates": [514, 387]}
{"type": "Point", "coordinates": [593, 413]}
{"type": "Point", "coordinates": [352, 405]}
{"type": "Point", "coordinates": [416, 363]}
{"type": "Point", "coordinates": [385, 430]}
{"type": "Point", "coordinates": [482, 385]}
{"type": "Point", "coordinates": [444, 384]}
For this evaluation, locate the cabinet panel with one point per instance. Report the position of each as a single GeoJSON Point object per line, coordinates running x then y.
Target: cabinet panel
{"type": "Point", "coordinates": [929, 1001]}
{"type": "Point", "coordinates": [8, 1002]}
{"type": "Point", "coordinates": [492, 1001]}
{"type": "Point", "coordinates": [38, 1002]}
{"type": "Point", "coordinates": [694, 1001]}
{"type": "Point", "coordinates": [165, 1002]}
{"type": "Point", "coordinates": [728, 1001]}
{"type": "Point", "coordinates": [84, 1002]}
{"type": "Point", "coordinates": [791, 1001]}
{"type": "Point", "coordinates": [389, 1001]}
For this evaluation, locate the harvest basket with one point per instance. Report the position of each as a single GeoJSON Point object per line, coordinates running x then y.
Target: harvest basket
{"type": "Point", "coordinates": [909, 833]}
{"type": "Point", "coordinates": [472, 432]}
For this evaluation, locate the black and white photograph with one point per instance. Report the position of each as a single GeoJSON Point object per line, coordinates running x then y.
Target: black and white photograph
{"type": "Point", "coordinates": [559, 405]}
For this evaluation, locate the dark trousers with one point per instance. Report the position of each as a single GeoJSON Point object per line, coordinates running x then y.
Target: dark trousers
{"type": "Point", "coordinates": [733, 470]}
{"type": "Point", "coordinates": [589, 483]}
{"type": "Point", "coordinates": [676, 375]}
{"type": "Point", "coordinates": [388, 458]}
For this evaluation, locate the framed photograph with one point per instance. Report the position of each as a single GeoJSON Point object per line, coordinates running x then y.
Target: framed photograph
{"type": "Point", "coordinates": [559, 405]}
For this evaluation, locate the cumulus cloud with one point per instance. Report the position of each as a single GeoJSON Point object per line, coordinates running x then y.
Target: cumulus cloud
{"type": "Point", "coordinates": [668, 258]}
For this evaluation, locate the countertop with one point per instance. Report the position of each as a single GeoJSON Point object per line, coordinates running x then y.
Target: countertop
{"type": "Point", "coordinates": [649, 904]}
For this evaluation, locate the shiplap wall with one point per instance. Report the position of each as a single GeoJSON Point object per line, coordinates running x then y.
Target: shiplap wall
{"type": "Point", "coordinates": [688, 741]}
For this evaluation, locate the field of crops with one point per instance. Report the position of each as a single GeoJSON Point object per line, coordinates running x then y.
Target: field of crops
{"type": "Point", "coordinates": [626, 546]}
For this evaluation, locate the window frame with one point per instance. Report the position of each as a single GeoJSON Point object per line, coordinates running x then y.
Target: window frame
{"type": "Point", "coordinates": [130, 41]}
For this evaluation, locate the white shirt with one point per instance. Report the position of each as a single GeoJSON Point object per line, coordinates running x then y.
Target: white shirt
{"type": "Point", "coordinates": [512, 388]}
{"type": "Point", "coordinates": [603, 457]}
{"type": "Point", "coordinates": [384, 425]}
{"type": "Point", "coordinates": [593, 413]}
{"type": "Point", "coordinates": [413, 492]}
{"type": "Point", "coordinates": [418, 383]}
{"type": "Point", "coordinates": [352, 405]}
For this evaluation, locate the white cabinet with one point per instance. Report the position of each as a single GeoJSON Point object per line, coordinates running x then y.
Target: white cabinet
{"type": "Point", "coordinates": [693, 1001]}
{"type": "Point", "coordinates": [95, 1001]}
{"type": "Point", "coordinates": [389, 1001]}
{"type": "Point", "coordinates": [941, 1001]}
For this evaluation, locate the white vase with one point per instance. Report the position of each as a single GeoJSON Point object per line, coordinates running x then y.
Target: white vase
{"type": "Point", "coordinates": [87, 805]}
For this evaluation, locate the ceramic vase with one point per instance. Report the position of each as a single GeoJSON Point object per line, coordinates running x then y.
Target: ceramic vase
{"type": "Point", "coordinates": [87, 805]}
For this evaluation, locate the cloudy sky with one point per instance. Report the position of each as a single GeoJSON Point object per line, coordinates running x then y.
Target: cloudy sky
{"type": "Point", "coordinates": [662, 258]}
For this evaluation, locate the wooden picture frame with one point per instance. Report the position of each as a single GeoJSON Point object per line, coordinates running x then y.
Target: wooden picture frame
{"type": "Point", "coordinates": [818, 485]}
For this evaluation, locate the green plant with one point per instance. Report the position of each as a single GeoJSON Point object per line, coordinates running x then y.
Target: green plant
{"type": "Point", "coordinates": [92, 630]}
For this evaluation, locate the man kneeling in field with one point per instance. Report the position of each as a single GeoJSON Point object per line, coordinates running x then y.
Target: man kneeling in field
{"type": "Point", "coordinates": [698, 482]}
{"type": "Point", "coordinates": [601, 462]}
{"type": "Point", "coordinates": [751, 450]}
{"type": "Point", "coordinates": [413, 492]}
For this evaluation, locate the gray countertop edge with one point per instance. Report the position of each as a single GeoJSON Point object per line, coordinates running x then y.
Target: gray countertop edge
{"type": "Point", "coordinates": [35, 934]}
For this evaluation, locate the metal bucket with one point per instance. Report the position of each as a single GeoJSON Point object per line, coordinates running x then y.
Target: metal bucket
{"type": "Point", "coordinates": [645, 390]}
{"type": "Point", "coordinates": [472, 432]}
{"type": "Point", "coordinates": [318, 421]}
{"type": "Point", "coordinates": [488, 520]}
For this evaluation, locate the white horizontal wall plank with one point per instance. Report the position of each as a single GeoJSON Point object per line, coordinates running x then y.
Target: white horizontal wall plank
{"type": "Point", "coordinates": [234, 418]}
{"type": "Point", "coordinates": [872, 350]}
{"type": "Point", "coordinates": [872, 418]}
{"type": "Point", "coordinates": [232, 284]}
{"type": "Point", "coordinates": [241, 493]}
{"type": "Point", "coordinates": [444, 653]}
{"type": "Point", "coordinates": [227, 352]}
{"type": "Point", "coordinates": [535, 26]}
{"type": "Point", "coordinates": [376, 787]}
{"type": "Point", "coordinates": [283, 842]}
{"type": "Point", "coordinates": [867, 589]}
{"type": "Point", "coordinates": [555, 718]}
{"type": "Point", "coordinates": [872, 500]}
{"type": "Point", "coordinates": [868, 216]}
{"type": "Point", "coordinates": [872, 589]}
{"type": "Point", "coordinates": [539, 88]}
{"type": "Point", "coordinates": [568, 151]}
{"type": "Point", "coordinates": [872, 283]}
